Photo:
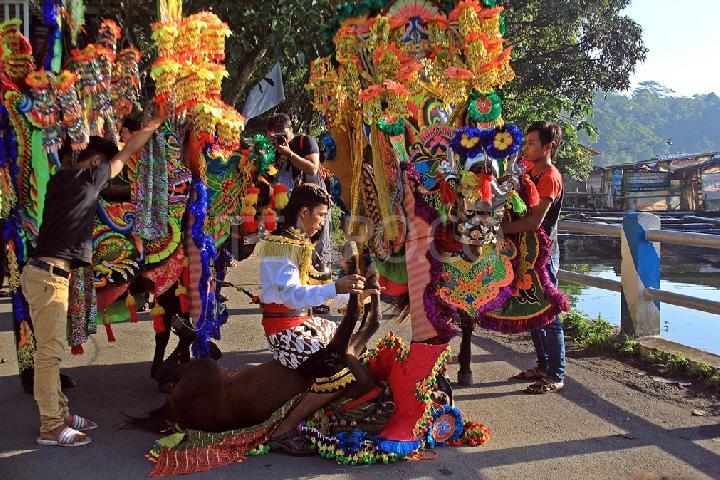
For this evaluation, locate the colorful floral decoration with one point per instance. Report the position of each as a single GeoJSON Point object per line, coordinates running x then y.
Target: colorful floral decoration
{"type": "Point", "coordinates": [189, 72]}
{"type": "Point", "coordinates": [17, 55]}
{"type": "Point", "coordinates": [447, 426]}
{"type": "Point", "coordinates": [469, 141]}
{"type": "Point", "coordinates": [504, 141]}
{"type": "Point", "coordinates": [412, 94]}
{"type": "Point", "coordinates": [484, 108]}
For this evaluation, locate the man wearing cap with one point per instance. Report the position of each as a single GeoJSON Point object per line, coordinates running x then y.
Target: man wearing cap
{"type": "Point", "coordinates": [64, 243]}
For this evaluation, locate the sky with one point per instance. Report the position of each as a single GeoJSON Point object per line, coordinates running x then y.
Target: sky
{"type": "Point", "coordinates": [683, 42]}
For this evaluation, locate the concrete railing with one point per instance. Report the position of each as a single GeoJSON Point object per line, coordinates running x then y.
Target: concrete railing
{"type": "Point", "coordinates": [640, 237]}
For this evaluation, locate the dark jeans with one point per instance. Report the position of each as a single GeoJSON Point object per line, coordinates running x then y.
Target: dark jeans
{"type": "Point", "coordinates": [549, 341]}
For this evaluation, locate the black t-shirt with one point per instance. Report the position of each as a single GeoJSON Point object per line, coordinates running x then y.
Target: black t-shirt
{"type": "Point", "coordinates": [302, 145]}
{"type": "Point", "coordinates": [67, 223]}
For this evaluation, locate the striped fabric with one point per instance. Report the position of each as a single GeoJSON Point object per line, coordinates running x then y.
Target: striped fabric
{"type": "Point", "coordinates": [417, 244]}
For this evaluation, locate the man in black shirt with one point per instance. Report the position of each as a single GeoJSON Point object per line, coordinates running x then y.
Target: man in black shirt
{"type": "Point", "coordinates": [64, 243]}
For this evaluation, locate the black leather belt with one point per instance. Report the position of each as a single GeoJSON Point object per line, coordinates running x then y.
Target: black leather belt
{"type": "Point", "coordinates": [50, 268]}
{"type": "Point", "coordinates": [288, 314]}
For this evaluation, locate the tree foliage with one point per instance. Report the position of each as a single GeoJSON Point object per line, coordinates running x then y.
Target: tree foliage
{"type": "Point", "coordinates": [264, 32]}
{"type": "Point", "coordinates": [652, 121]}
{"type": "Point", "coordinates": [563, 52]}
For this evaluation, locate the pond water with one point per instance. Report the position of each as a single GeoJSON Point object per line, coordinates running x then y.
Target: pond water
{"type": "Point", "coordinates": [690, 271]}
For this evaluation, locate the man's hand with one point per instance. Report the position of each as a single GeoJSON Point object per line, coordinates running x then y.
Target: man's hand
{"type": "Point", "coordinates": [350, 284]}
{"type": "Point", "coordinates": [282, 146]}
{"type": "Point", "coordinates": [366, 295]}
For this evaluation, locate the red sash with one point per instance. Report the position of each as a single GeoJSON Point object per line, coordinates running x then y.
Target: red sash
{"type": "Point", "coordinates": [274, 324]}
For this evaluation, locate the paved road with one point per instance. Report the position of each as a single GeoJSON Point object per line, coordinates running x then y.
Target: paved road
{"type": "Point", "coordinates": [609, 422]}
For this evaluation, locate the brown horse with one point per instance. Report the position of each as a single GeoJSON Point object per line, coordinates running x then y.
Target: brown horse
{"type": "Point", "coordinates": [209, 399]}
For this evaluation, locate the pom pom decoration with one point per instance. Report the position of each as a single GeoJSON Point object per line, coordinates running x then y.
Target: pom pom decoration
{"type": "Point", "coordinates": [485, 186]}
{"type": "Point", "coordinates": [263, 153]}
{"type": "Point", "coordinates": [280, 196]}
{"type": "Point", "coordinates": [504, 141]}
{"type": "Point", "coordinates": [518, 205]}
{"type": "Point", "coordinates": [248, 212]}
{"type": "Point", "coordinates": [269, 219]}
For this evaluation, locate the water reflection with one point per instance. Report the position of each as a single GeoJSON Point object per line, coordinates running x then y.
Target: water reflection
{"type": "Point", "coordinates": [690, 271]}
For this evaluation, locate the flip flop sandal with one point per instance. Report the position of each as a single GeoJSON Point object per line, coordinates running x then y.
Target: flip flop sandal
{"type": "Point", "coordinates": [530, 374]}
{"type": "Point", "coordinates": [290, 443]}
{"type": "Point", "coordinates": [69, 437]}
{"type": "Point", "coordinates": [544, 386]}
{"type": "Point", "coordinates": [82, 424]}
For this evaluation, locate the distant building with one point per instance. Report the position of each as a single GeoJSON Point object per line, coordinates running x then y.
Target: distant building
{"type": "Point", "coordinates": [671, 182]}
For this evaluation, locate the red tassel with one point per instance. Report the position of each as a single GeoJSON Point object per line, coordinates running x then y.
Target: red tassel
{"type": "Point", "coordinates": [181, 293]}
{"type": "Point", "coordinates": [484, 181]}
{"type": "Point", "coordinates": [532, 193]}
{"type": "Point", "coordinates": [186, 272]}
{"type": "Point", "coordinates": [77, 350]}
{"type": "Point", "coordinates": [447, 194]}
{"type": "Point", "coordinates": [158, 313]}
{"type": "Point", "coordinates": [158, 324]}
{"type": "Point", "coordinates": [130, 302]}
{"type": "Point", "coordinates": [109, 332]}
{"type": "Point", "coordinates": [184, 304]}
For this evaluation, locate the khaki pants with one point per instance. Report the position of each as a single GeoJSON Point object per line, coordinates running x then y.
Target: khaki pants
{"type": "Point", "coordinates": [47, 296]}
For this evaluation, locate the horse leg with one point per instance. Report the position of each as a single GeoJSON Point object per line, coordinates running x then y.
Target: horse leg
{"type": "Point", "coordinates": [341, 340]}
{"type": "Point", "coordinates": [465, 376]}
{"type": "Point", "coordinates": [370, 325]}
{"type": "Point", "coordinates": [163, 338]}
{"type": "Point", "coordinates": [161, 341]}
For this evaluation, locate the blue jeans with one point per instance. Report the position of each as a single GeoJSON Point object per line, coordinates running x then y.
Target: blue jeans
{"type": "Point", "coordinates": [549, 341]}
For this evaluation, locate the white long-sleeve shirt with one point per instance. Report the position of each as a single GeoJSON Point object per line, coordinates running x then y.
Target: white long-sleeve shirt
{"type": "Point", "coordinates": [280, 283]}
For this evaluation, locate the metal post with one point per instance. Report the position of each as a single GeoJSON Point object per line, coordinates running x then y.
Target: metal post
{"type": "Point", "coordinates": [640, 269]}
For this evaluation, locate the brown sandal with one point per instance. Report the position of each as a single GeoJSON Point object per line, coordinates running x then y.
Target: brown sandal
{"type": "Point", "coordinates": [291, 443]}
{"type": "Point", "coordinates": [530, 374]}
{"type": "Point", "coordinates": [544, 386]}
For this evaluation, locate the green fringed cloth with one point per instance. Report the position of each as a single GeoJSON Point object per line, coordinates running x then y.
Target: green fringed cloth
{"type": "Point", "coordinates": [195, 451]}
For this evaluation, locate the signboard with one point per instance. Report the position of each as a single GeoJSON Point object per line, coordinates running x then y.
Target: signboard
{"type": "Point", "coordinates": [644, 181]}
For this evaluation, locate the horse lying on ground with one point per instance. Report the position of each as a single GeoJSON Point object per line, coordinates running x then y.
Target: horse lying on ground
{"type": "Point", "coordinates": [209, 399]}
